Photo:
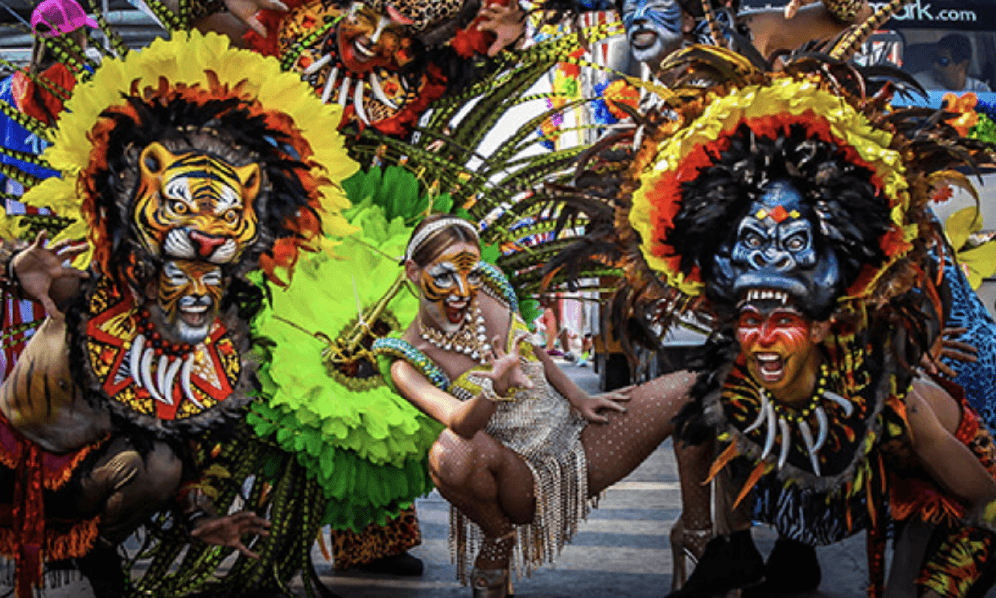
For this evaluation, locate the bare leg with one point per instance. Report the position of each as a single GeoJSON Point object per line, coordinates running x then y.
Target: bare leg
{"type": "Point", "coordinates": [910, 549]}
{"type": "Point", "coordinates": [618, 447]}
{"type": "Point", "coordinates": [696, 516]}
{"type": "Point", "coordinates": [124, 488]}
{"type": "Point", "coordinates": [489, 484]}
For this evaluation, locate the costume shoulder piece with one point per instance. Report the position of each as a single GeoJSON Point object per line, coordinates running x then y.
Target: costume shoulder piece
{"type": "Point", "coordinates": [186, 166]}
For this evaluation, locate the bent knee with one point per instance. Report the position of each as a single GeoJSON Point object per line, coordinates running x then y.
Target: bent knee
{"type": "Point", "coordinates": [453, 460]}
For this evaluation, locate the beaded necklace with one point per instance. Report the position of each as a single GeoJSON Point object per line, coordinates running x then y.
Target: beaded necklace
{"type": "Point", "coordinates": [778, 417]}
{"type": "Point", "coordinates": [462, 340]}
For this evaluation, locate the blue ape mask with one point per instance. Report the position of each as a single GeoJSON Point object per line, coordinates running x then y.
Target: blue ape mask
{"type": "Point", "coordinates": [653, 28]}
{"type": "Point", "coordinates": [776, 249]}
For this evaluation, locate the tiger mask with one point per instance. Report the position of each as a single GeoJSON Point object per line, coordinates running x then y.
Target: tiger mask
{"type": "Point", "coordinates": [195, 206]}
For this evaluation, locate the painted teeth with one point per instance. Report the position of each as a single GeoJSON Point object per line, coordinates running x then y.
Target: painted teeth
{"type": "Point", "coordinates": [764, 294]}
{"type": "Point", "coordinates": [766, 357]}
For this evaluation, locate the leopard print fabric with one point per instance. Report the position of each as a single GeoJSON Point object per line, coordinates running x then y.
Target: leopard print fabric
{"type": "Point", "coordinates": [350, 549]}
{"type": "Point", "coordinates": [422, 13]}
{"type": "Point", "coordinates": [978, 378]}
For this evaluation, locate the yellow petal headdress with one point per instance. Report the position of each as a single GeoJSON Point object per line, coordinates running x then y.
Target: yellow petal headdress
{"type": "Point", "coordinates": [198, 69]}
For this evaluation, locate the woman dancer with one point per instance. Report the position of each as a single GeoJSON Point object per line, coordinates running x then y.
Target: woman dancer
{"type": "Point", "coordinates": [524, 448]}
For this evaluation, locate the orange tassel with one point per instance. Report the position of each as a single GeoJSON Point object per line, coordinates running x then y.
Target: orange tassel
{"type": "Point", "coordinates": [750, 483]}
{"type": "Point", "coordinates": [322, 546]}
{"type": "Point", "coordinates": [721, 461]}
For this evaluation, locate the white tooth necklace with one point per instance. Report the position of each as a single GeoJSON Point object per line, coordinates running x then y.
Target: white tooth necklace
{"type": "Point", "coordinates": [470, 338]}
{"type": "Point", "coordinates": [777, 418]}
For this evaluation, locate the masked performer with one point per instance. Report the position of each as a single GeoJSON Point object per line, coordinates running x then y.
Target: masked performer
{"type": "Point", "coordinates": [518, 459]}
{"type": "Point", "coordinates": [655, 28]}
{"type": "Point", "coordinates": [385, 63]}
{"type": "Point", "coordinates": [185, 167]}
{"type": "Point", "coordinates": [791, 208]}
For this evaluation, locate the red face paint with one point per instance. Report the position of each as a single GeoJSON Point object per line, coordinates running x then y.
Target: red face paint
{"type": "Point", "coordinates": [781, 353]}
{"type": "Point", "coordinates": [781, 330]}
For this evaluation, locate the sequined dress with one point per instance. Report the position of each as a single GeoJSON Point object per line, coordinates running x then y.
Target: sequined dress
{"type": "Point", "coordinates": [542, 427]}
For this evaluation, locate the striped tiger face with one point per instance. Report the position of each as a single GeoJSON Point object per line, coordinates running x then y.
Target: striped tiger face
{"type": "Point", "coordinates": [190, 293]}
{"type": "Point", "coordinates": [195, 206]}
{"type": "Point", "coordinates": [449, 285]}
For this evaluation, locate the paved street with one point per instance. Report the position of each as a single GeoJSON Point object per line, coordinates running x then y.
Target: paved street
{"type": "Point", "coordinates": [621, 551]}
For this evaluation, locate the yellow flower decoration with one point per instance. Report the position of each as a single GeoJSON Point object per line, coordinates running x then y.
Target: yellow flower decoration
{"type": "Point", "coordinates": [766, 109]}
{"type": "Point", "coordinates": [964, 107]}
{"type": "Point", "coordinates": [193, 59]}
{"type": "Point", "coordinates": [978, 261]}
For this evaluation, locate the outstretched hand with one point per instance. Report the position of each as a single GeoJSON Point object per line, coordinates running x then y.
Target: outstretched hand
{"type": "Point", "coordinates": [245, 11]}
{"type": "Point", "coordinates": [229, 530]}
{"type": "Point", "coordinates": [591, 406]}
{"type": "Point", "coordinates": [507, 23]}
{"type": "Point", "coordinates": [794, 5]}
{"type": "Point", "coordinates": [946, 346]}
{"type": "Point", "coordinates": [38, 266]}
{"type": "Point", "coordinates": [506, 371]}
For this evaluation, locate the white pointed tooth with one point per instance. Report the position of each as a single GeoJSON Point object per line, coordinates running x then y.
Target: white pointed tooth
{"type": "Point", "coordinates": [378, 92]}
{"type": "Point", "coordinates": [146, 369]}
{"type": "Point", "coordinates": [161, 370]}
{"type": "Point", "coordinates": [135, 358]}
{"type": "Point", "coordinates": [761, 413]}
{"type": "Point", "coordinates": [807, 439]}
{"type": "Point", "coordinates": [836, 398]}
{"type": "Point", "coordinates": [769, 442]}
{"type": "Point", "coordinates": [783, 456]}
{"type": "Point", "coordinates": [330, 85]}
{"type": "Point", "coordinates": [174, 368]}
{"type": "Point", "coordinates": [188, 391]}
{"type": "Point", "coordinates": [344, 90]}
{"type": "Point", "coordinates": [785, 298]}
{"type": "Point", "coordinates": [317, 65]}
{"type": "Point", "coordinates": [821, 435]}
{"type": "Point", "coordinates": [358, 102]}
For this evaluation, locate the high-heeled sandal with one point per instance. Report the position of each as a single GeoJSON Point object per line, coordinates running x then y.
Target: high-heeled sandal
{"type": "Point", "coordinates": [490, 583]}
{"type": "Point", "coordinates": [681, 552]}
{"type": "Point", "coordinates": [494, 583]}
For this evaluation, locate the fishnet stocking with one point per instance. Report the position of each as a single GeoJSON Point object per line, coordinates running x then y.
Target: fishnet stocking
{"type": "Point", "coordinates": [618, 447]}
{"type": "Point", "coordinates": [696, 516]}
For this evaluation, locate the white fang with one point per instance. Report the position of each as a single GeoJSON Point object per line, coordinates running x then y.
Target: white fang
{"type": "Point", "coordinates": [836, 398]}
{"type": "Point", "coordinates": [344, 90]}
{"type": "Point", "coordinates": [330, 85]}
{"type": "Point", "coordinates": [807, 438]}
{"type": "Point", "coordinates": [786, 442]}
{"type": "Point", "coordinates": [378, 92]}
{"type": "Point", "coordinates": [135, 357]}
{"type": "Point", "coordinates": [188, 366]}
{"type": "Point", "coordinates": [317, 65]}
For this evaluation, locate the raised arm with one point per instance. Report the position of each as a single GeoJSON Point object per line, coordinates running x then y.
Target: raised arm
{"type": "Point", "coordinates": [229, 17]}
{"type": "Point", "coordinates": [39, 271]}
{"type": "Point", "coordinates": [465, 418]}
{"type": "Point", "coordinates": [772, 30]}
